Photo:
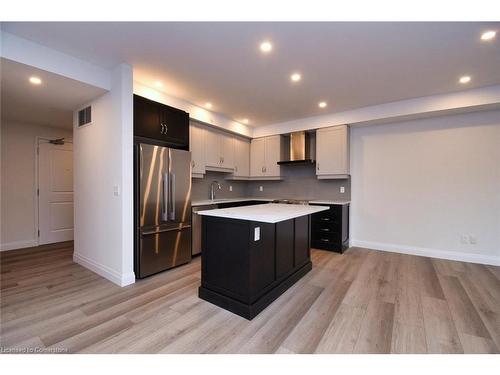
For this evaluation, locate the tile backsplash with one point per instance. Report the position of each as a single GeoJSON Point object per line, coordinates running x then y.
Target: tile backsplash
{"type": "Point", "coordinates": [299, 181]}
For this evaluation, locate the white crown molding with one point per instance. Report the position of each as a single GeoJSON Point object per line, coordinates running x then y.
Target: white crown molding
{"type": "Point", "coordinates": [426, 252]}
{"type": "Point", "coordinates": [197, 113]}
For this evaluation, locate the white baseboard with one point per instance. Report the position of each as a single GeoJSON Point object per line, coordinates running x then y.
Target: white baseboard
{"type": "Point", "coordinates": [105, 271]}
{"type": "Point", "coordinates": [18, 245]}
{"type": "Point", "coordinates": [431, 253]}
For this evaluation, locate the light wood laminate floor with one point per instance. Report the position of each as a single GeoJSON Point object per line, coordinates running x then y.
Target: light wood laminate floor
{"type": "Point", "coordinates": [361, 302]}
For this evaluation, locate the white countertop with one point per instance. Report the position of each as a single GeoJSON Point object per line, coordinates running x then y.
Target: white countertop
{"type": "Point", "coordinates": [207, 202]}
{"type": "Point", "coordinates": [339, 202]}
{"type": "Point", "coordinates": [267, 213]}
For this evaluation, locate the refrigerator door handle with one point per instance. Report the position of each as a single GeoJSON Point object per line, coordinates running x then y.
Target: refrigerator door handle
{"type": "Point", "coordinates": [157, 231]}
{"type": "Point", "coordinates": [172, 195]}
{"type": "Point", "coordinates": [166, 195]}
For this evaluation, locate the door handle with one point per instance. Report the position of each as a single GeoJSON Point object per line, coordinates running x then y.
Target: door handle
{"type": "Point", "coordinates": [149, 232]}
{"type": "Point", "coordinates": [172, 196]}
{"type": "Point", "coordinates": [166, 192]}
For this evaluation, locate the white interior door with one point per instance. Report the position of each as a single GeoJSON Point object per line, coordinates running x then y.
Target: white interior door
{"type": "Point", "coordinates": [55, 184]}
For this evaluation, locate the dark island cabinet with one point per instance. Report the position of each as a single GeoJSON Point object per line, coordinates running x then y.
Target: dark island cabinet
{"type": "Point", "coordinates": [246, 264]}
{"type": "Point", "coordinates": [330, 229]}
{"type": "Point", "coordinates": [161, 123]}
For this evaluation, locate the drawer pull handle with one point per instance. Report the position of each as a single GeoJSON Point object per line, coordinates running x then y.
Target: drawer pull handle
{"type": "Point", "coordinates": [325, 229]}
{"type": "Point", "coordinates": [324, 240]}
{"type": "Point", "coordinates": [325, 219]}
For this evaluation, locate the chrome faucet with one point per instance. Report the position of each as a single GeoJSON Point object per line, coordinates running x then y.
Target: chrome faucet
{"type": "Point", "coordinates": [212, 191]}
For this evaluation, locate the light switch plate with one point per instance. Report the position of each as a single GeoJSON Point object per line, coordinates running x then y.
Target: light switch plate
{"type": "Point", "coordinates": [256, 234]}
{"type": "Point", "coordinates": [230, 187]}
{"type": "Point", "coordinates": [342, 189]}
{"type": "Point", "coordinates": [261, 188]}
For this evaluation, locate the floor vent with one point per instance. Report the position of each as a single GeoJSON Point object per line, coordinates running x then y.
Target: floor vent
{"type": "Point", "coordinates": [85, 116]}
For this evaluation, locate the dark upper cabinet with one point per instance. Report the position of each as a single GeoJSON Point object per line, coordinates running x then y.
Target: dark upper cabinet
{"type": "Point", "coordinates": [161, 123]}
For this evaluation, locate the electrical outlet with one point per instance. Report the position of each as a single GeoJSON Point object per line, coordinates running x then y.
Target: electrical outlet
{"type": "Point", "coordinates": [116, 190]}
{"type": "Point", "coordinates": [472, 239]}
{"type": "Point", "coordinates": [230, 187]}
{"type": "Point", "coordinates": [256, 234]}
{"type": "Point", "coordinates": [261, 188]}
{"type": "Point", "coordinates": [342, 189]}
{"type": "Point", "coordinates": [464, 239]}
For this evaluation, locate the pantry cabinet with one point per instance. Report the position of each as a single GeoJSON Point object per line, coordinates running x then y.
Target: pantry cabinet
{"type": "Point", "coordinates": [332, 152]}
{"type": "Point", "coordinates": [265, 153]}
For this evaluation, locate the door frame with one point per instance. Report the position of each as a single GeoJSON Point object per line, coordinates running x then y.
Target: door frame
{"type": "Point", "coordinates": [36, 187]}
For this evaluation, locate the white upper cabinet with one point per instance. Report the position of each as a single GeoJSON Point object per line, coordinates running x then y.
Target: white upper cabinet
{"type": "Point", "coordinates": [265, 153]}
{"type": "Point", "coordinates": [273, 155]}
{"type": "Point", "coordinates": [332, 152]}
{"type": "Point", "coordinates": [219, 150]}
{"type": "Point", "coordinates": [241, 158]}
{"type": "Point", "coordinates": [227, 151]}
{"type": "Point", "coordinates": [197, 148]}
{"type": "Point", "coordinates": [257, 157]}
{"type": "Point", "coordinates": [212, 149]}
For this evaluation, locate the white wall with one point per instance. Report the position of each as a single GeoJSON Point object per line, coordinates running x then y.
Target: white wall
{"type": "Point", "coordinates": [418, 186]}
{"type": "Point", "coordinates": [103, 157]}
{"type": "Point", "coordinates": [18, 141]}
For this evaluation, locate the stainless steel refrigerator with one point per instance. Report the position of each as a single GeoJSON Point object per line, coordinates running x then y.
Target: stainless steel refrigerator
{"type": "Point", "coordinates": [164, 209]}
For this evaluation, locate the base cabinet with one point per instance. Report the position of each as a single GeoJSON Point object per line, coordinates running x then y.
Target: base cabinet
{"type": "Point", "coordinates": [330, 229]}
{"type": "Point", "coordinates": [243, 274]}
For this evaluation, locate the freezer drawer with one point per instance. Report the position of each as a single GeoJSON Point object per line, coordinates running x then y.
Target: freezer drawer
{"type": "Point", "coordinates": [163, 250]}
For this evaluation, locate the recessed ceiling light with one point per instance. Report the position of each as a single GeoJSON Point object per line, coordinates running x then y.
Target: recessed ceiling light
{"type": "Point", "coordinates": [266, 46]}
{"type": "Point", "coordinates": [158, 84]}
{"type": "Point", "coordinates": [35, 80]}
{"type": "Point", "coordinates": [295, 77]}
{"type": "Point", "coordinates": [488, 35]}
{"type": "Point", "coordinates": [245, 121]}
{"type": "Point", "coordinates": [464, 79]}
{"type": "Point", "coordinates": [208, 105]}
{"type": "Point", "coordinates": [322, 104]}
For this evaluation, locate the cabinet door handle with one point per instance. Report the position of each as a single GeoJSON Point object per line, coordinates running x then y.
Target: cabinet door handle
{"type": "Point", "coordinates": [236, 168]}
{"type": "Point", "coordinates": [262, 169]}
{"type": "Point", "coordinates": [193, 163]}
{"type": "Point", "coordinates": [223, 160]}
{"type": "Point", "coordinates": [317, 166]}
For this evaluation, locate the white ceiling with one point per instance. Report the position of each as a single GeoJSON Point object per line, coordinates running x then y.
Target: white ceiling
{"type": "Point", "coordinates": [51, 104]}
{"type": "Point", "coordinates": [349, 65]}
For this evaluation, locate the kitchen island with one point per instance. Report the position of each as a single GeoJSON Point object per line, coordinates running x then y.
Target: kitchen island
{"type": "Point", "coordinates": [253, 254]}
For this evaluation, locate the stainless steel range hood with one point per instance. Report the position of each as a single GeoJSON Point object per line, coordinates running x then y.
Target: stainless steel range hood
{"type": "Point", "coordinates": [300, 150]}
